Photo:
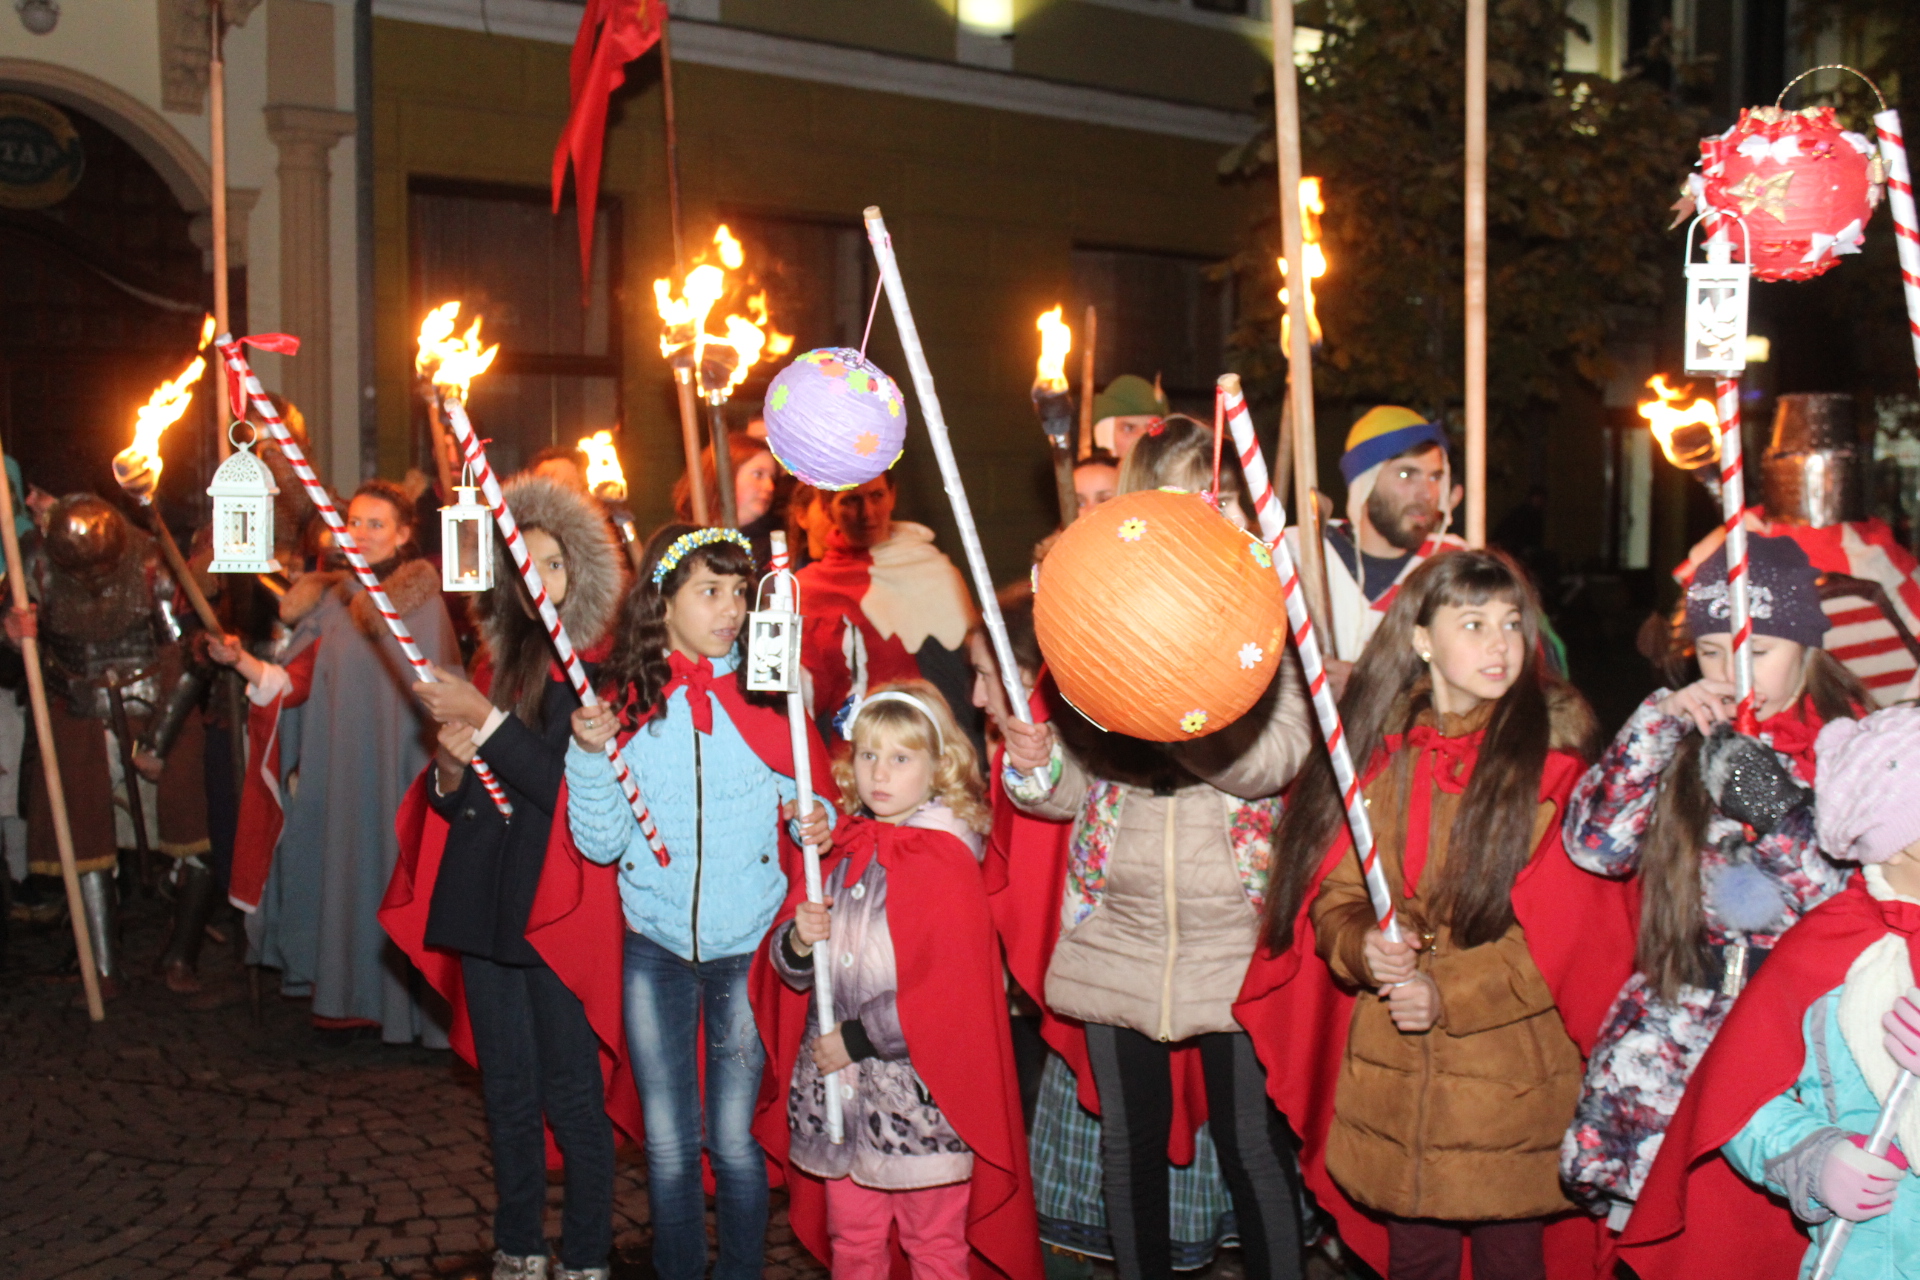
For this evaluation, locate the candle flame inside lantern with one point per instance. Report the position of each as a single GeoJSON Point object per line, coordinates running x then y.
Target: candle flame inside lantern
{"type": "Point", "coordinates": [605, 479]}
{"type": "Point", "coordinates": [1056, 339]}
{"type": "Point", "coordinates": [137, 467]}
{"type": "Point", "coordinates": [720, 361]}
{"type": "Point", "coordinates": [1311, 207]}
{"type": "Point", "coordinates": [450, 362]}
{"type": "Point", "coordinates": [1689, 434]}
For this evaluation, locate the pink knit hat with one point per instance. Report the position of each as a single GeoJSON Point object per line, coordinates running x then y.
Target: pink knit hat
{"type": "Point", "coordinates": [1867, 796]}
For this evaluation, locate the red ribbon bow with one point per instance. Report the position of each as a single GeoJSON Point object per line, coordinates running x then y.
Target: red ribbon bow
{"type": "Point", "coordinates": [282, 344]}
{"type": "Point", "coordinates": [1444, 763]}
{"type": "Point", "coordinates": [696, 678]}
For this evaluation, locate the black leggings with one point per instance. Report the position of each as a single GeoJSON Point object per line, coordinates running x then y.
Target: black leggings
{"type": "Point", "coordinates": [1133, 1077]}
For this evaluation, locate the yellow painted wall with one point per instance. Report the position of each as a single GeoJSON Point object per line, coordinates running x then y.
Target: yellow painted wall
{"type": "Point", "coordinates": [985, 208]}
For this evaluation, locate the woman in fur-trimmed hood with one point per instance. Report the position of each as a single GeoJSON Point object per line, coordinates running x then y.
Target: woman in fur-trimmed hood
{"type": "Point", "coordinates": [513, 934]}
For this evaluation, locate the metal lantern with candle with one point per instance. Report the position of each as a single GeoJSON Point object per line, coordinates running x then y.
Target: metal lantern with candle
{"type": "Point", "coordinates": [243, 491]}
{"type": "Point", "coordinates": [1054, 404]}
{"type": "Point", "coordinates": [466, 539]}
{"type": "Point", "coordinates": [1716, 326]}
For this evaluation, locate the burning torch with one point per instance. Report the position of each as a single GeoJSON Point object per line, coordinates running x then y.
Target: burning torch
{"type": "Point", "coordinates": [607, 482]}
{"type": "Point", "coordinates": [713, 364]}
{"type": "Point", "coordinates": [138, 466]}
{"type": "Point", "coordinates": [1054, 404]}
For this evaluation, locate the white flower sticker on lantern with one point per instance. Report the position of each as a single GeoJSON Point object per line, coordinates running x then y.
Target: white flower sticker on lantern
{"type": "Point", "coordinates": [1132, 530]}
{"type": "Point", "coordinates": [1250, 656]}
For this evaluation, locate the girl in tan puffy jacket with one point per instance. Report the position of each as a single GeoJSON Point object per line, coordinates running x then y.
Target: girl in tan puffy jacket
{"type": "Point", "coordinates": [1159, 917]}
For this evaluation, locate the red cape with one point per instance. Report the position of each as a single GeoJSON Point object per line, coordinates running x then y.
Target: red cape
{"type": "Point", "coordinates": [1026, 871]}
{"type": "Point", "coordinates": [576, 924]}
{"type": "Point", "coordinates": [262, 815]}
{"type": "Point", "coordinates": [1696, 1217]}
{"type": "Point", "coordinates": [953, 1009]}
{"type": "Point", "coordinates": [1580, 931]}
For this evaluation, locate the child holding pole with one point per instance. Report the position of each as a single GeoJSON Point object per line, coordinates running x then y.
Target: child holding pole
{"type": "Point", "coordinates": [1431, 1075]}
{"type": "Point", "coordinates": [934, 1144]}
{"type": "Point", "coordinates": [1771, 1139]}
{"type": "Point", "coordinates": [1718, 829]}
{"type": "Point", "coordinates": [715, 766]}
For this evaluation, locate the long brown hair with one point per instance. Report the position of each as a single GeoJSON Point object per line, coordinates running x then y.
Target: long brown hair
{"type": "Point", "coordinates": [1672, 950]}
{"type": "Point", "coordinates": [1492, 837]}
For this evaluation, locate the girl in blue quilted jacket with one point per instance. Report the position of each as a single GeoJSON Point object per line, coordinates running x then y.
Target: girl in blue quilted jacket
{"type": "Point", "coordinates": [706, 759]}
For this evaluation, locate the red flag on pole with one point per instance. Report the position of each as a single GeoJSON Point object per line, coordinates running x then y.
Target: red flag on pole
{"type": "Point", "coordinates": [612, 34]}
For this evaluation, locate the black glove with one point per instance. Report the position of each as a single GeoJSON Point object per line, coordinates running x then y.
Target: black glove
{"type": "Point", "coordinates": [1746, 780]}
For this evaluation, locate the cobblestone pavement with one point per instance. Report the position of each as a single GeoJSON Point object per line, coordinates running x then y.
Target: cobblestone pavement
{"type": "Point", "coordinates": [183, 1137]}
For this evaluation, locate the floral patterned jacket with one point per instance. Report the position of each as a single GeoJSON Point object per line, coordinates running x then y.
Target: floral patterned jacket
{"type": "Point", "coordinates": [1648, 1046]}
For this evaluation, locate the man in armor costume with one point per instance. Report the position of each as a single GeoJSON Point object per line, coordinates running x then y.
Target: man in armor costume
{"type": "Point", "coordinates": [114, 653]}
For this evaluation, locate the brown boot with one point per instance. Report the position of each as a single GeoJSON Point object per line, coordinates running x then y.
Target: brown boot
{"type": "Point", "coordinates": [193, 905]}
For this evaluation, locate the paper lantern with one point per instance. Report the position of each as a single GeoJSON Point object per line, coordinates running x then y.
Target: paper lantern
{"type": "Point", "coordinates": [1797, 180]}
{"type": "Point", "coordinates": [1158, 618]}
{"type": "Point", "coordinates": [834, 419]}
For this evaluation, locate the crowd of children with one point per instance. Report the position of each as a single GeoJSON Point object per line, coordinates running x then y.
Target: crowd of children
{"type": "Point", "coordinates": [1639, 1006]}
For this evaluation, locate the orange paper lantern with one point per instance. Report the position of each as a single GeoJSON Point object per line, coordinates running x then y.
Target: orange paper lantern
{"type": "Point", "coordinates": [1158, 618]}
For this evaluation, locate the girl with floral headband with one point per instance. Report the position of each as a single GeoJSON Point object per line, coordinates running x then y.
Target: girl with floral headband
{"type": "Point", "coordinates": [715, 766]}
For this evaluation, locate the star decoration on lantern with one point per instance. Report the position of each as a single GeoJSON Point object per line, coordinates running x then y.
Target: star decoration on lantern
{"type": "Point", "coordinates": [865, 443]}
{"type": "Point", "coordinates": [1132, 530]}
{"type": "Point", "coordinates": [1769, 195]}
{"type": "Point", "coordinates": [1194, 721]}
{"type": "Point", "coordinates": [1250, 656]}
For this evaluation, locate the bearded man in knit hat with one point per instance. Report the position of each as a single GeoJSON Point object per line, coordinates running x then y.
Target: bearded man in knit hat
{"type": "Point", "coordinates": [1128, 409]}
{"type": "Point", "coordinates": [1400, 499]}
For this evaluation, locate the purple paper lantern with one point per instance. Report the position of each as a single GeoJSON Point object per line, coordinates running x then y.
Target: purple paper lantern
{"type": "Point", "coordinates": [834, 419]}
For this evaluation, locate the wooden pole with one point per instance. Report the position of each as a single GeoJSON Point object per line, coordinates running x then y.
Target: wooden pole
{"type": "Point", "coordinates": [1089, 335]}
{"type": "Point", "coordinates": [722, 464]}
{"type": "Point", "coordinates": [1306, 464]}
{"type": "Point", "coordinates": [683, 378]}
{"type": "Point", "coordinates": [49, 758]}
{"type": "Point", "coordinates": [690, 443]}
{"type": "Point", "coordinates": [1476, 272]}
{"type": "Point", "coordinates": [217, 120]}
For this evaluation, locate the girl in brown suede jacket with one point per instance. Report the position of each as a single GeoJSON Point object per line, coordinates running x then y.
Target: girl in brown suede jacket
{"type": "Point", "coordinates": [1460, 1067]}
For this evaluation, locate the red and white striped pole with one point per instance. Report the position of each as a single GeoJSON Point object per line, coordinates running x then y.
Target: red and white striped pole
{"type": "Point", "coordinates": [476, 457]}
{"type": "Point", "coordinates": [1733, 503]}
{"type": "Point", "coordinates": [1272, 516]}
{"type": "Point", "coordinates": [242, 376]}
{"type": "Point", "coordinates": [1906, 223]}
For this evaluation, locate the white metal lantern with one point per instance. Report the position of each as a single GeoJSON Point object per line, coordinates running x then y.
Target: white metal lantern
{"type": "Point", "coordinates": [773, 638]}
{"type": "Point", "coordinates": [243, 491]}
{"type": "Point", "coordinates": [1716, 337]}
{"type": "Point", "coordinates": [466, 542]}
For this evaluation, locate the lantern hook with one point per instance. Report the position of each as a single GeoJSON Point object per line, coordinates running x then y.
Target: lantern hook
{"type": "Point", "coordinates": [1745, 235]}
{"type": "Point", "coordinates": [253, 434]}
{"type": "Point", "coordinates": [1832, 66]}
{"type": "Point", "coordinates": [774, 576]}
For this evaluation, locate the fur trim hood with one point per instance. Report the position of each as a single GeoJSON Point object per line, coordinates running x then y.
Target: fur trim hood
{"type": "Point", "coordinates": [595, 573]}
{"type": "Point", "coordinates": [409, 586]}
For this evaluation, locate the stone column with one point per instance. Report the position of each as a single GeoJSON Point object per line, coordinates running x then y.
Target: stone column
{"type": "Point", "coordinates": [305, 136]}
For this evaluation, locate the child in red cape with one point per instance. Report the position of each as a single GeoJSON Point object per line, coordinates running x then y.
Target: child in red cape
{"type": "Point", "coordinates": [1780, 1105]}
{"type": "Point", "coordinates": [1430, 1106]}
{"type": "Point", "coordinates": [933, 1140]}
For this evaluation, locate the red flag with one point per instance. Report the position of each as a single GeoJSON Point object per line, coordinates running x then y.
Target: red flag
{"type": "Point", "coordinates": [612, 34]}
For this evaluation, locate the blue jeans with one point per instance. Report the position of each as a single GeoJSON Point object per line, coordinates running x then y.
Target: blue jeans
{"type": "Point", "coordinates": [667, 1001]}
{"type": "Point", "coordinates": [539, 1059]}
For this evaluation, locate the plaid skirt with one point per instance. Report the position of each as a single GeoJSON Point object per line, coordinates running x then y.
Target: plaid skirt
{"type": "Point", "coordinates": [1065, 1153]}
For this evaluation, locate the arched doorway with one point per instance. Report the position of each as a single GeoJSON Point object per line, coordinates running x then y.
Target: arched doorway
{"type": "Point", "coordinates": [102, 293]}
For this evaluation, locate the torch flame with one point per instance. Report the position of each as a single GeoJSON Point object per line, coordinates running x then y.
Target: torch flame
{"type": "Point", "coordinates": [1311, 207]}
{"type": "Point", "coordinates": [1689, 434]}
{"type": "Point", "coordinates": [451, 363]}
{"type": "Point", "coordinates": [605, 479]}
{"type": "Point", "coordinates": [137, 467]}
{"type": "Point", "coordinates": [1056, 339]}
{"type": "Point", "coordinates": [720, 361]}
{"type": "Point", "coordinates": [207, 328]}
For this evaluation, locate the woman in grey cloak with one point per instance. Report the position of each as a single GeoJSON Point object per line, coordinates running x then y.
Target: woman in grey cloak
{"type": "Point", "coordinates": [351, 740]}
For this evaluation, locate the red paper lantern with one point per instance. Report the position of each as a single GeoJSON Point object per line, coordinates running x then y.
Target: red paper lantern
{"type": "Point", "coordinates": [1158, 618]}
{"type": "Point", "coordinates": [1799, 183]}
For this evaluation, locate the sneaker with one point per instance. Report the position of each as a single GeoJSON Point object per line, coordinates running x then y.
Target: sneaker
{"type": "Point", "coordinates": [508, 1267]}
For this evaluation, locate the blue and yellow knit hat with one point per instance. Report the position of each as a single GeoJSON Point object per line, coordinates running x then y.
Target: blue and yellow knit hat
{"type": "Point", "coordinates": [1386, 432]}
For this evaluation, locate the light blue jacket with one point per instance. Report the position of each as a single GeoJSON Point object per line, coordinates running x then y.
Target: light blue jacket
{"type": "Point", "coordinates": [717, 807]}
{"type": "Point", "coordinates": [1782, 1146]}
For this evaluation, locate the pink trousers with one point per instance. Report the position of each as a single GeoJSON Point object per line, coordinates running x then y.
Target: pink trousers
{"type": "Point", "coordinates": [933, 1230]}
